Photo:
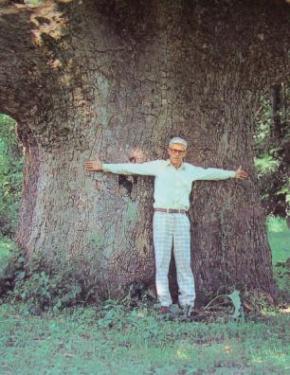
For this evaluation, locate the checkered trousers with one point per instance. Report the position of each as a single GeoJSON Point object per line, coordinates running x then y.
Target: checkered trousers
{"type": "Point", "coordinates": [173, 229]}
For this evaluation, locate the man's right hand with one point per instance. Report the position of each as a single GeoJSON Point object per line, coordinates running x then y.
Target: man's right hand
{"type": "Point", "coordinates": [93, 165]}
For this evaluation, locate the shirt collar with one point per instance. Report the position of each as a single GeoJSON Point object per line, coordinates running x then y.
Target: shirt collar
{"type": "Point", "coordinates": [182, 167]}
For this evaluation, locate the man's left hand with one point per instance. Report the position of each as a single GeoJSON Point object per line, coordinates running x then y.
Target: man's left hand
{"type": "Point", "coordinates": [241, 174]}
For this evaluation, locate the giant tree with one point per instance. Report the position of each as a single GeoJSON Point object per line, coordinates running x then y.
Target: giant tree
{"type": "Point", "coordinates": [109, 77]}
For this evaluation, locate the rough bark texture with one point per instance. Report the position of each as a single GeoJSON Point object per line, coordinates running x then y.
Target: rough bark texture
{"type": "Point", "coordinates": [105, 77]}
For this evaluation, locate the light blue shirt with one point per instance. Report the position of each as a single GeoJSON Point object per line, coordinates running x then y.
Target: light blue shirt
{"type": "Point", "coordinates": [172, 185]}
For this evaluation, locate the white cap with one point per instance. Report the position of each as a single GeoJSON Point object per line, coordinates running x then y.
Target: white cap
{"type": "Point", "coordinates": [178, 140]}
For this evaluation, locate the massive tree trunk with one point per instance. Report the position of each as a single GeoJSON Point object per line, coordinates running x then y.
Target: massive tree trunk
{"type": "Point", "coordinates": [106, 77]}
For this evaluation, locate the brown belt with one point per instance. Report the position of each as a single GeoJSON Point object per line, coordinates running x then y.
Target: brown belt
{"type": "Point", "coordinates": [171, 210]}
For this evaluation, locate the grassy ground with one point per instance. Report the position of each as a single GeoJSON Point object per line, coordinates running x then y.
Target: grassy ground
{"type": "Point", "coordinates": [113, 341]}
{"type": "Point", "coordinates": [137, 343]}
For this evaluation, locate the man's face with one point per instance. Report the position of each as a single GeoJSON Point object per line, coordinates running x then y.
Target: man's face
{"type": "Point", "coordinates": [176, 154]}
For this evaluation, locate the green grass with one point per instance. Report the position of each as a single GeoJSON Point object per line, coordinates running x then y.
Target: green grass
{"type": "Point", "coordinates": [279, 240]}
{"type": "Point", "coordinates": [76, 342]}
{"type": "Point", "coordinates": [113, 341]}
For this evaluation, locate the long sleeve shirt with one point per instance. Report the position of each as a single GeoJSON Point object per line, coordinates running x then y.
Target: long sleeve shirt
{"type": "Point", "coordinates": [172, 186]}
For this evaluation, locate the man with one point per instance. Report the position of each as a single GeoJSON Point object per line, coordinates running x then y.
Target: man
{"type": "Point", "coordinates": [171, 226]}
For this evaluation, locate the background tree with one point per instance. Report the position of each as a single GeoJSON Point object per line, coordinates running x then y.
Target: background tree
{"type": "Point", "coordinates": [106, 77]}
{"type": "Point", "coordinates": [273, 150]}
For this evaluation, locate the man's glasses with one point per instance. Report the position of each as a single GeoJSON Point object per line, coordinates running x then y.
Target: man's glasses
{"type": "Point", "coordinates": [176, 151]}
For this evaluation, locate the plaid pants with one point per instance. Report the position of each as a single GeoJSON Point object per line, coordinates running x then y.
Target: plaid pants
{"type": "Point", "coordinates": [173, 229]}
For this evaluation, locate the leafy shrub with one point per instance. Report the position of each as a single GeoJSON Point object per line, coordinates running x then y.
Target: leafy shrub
{"type": "Point", "coordinates": [11, 264]}
{"type": "Point", "coordinates": [66, 284]}
{"type": "Point", "coordinates": [56, 290]}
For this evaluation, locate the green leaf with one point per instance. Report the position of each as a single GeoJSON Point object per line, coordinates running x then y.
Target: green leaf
{"type": "Point", "coordinates": [236, 301]}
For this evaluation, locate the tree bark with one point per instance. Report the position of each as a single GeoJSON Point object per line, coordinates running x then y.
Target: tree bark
{"type": "Point", "coordinates": [107, 77]}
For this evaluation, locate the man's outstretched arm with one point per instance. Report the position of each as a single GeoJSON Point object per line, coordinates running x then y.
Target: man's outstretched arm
{"type": "Point", "coordinates": [218, 174]}
{"type": "Point", "coordinates": [146, 169]}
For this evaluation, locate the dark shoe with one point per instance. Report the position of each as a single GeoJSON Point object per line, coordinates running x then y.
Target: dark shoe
{"type": "Point", "coordinates": [164, 310]}
{"type": "Point", "coordinates": [186, 311]}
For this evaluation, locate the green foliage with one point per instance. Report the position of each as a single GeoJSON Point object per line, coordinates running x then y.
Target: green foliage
{"type": "Point", "coordinates": [11, 263]}
{"type": "Point", "coordinates": [66, 283]}
{"type": "Point", "coordinates": [43, 291]}
{"type": "Point", "coordinates": [11, 165]}
{"type": "Point", "coordinates": [266, 164]}
{"type": "Point", "coordinates": [6, 248]}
